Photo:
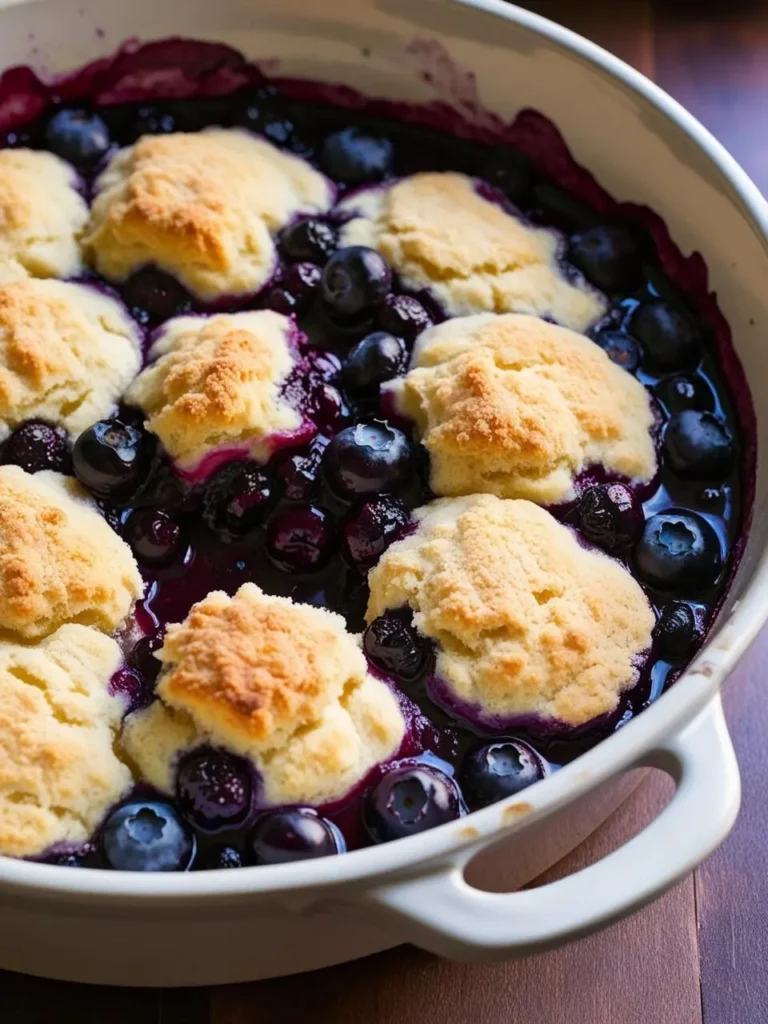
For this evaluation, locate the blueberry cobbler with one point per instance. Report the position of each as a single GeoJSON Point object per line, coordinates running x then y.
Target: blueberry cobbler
{"type": "Point", "coordinates": [359, 467]}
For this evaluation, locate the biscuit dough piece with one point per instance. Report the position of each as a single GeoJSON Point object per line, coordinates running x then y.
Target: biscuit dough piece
{"type": "Point", "coordinates": [526, 621]}
{"type": "Point", "coordinates": [282, 684]}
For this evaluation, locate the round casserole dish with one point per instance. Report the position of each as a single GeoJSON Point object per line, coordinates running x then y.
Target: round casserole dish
{"type": "Point", "coordinates": [217, 927]}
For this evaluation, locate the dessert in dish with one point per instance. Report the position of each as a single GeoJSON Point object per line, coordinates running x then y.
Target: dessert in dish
{"type": "Point", "coordinates": [357, 474]}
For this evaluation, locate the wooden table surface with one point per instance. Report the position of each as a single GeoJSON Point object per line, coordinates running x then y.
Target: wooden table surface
{"type": "Point", "coordinates": [700, 954]}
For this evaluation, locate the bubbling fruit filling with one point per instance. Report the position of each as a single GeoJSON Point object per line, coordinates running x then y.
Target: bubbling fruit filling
{"type": "Point", "coordinates": [359, 467]}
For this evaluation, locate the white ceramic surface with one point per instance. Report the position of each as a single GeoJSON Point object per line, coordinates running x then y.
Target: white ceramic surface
{"type": "Point", "coordinates": [215, 927]}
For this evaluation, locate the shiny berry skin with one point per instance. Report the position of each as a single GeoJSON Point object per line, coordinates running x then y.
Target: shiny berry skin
{"type": "Point", "coordinates": [213, 789]}
{"type": "Point", "coordinates": [301, 538]}
{"type": "Point", "coordinates": [327, 408]}
{"type": "Point", "coordinates": [237, 500]}
{"type": "Point", "coordinates": [302, 280]}
{"type": "Point", "coordinates": [678, 550]}
{"type": "Point", "coordinates": [620, 349]}
{"type": "Point", "coordinates": [670, 337]}
{"type": "Point", "coordinates": [128, 684]}
{"type": "Point", "coordinates": [112, 460]}
{"type": "Point", "coordinates": [142, 657]}
{"type": "Point", "coordinates": [154, 537]}
{"type": "Point", "coordinates": [699, 446]}
{"type": "Point", "coordinates": [226, 858]}
{"type": "Point", "coordinates": [368, 458]}
{"type": "Point", "coordinates": [35, 446]}
{"type": "Point", "coordinates": [147, 835]}
{"type": "Point", "coordinates": [607, 256]}
{"type": "Point", "coordinates": [153, 296]}
{"type": "Point", "coordinates": [355, 280]}
{"type": "Point", "coordinates": [280, 300]}
{"type": "Point", "coordinates": [411, 799]}
{"type": "Point", "coordinates": [370, 529]}
{"type": "Point", "coordinates": [77, 136]}
{"type": "Point", "coordinates": [309, 241]}
{"type": "Point", "coordinates": [499, 770]}
{"type": "Point", "coordinates": [510, 171]}
{"type": "Point", "coordinates": [352, 156]}
{"type": "Point", "coordinates": [403, 316]}
{"type": "Point", "coordinates": [611, 516]}
{"type": "Point", "coordinates": [675, 632]}
{"type": "Point", "coordinates": [677, 394]}
{"type": "Point", "coordinates": [297, 472]}
{"type": "Point", "coordinates": [377, 358]}
{"type": "Point", "coordinates": [295, 833]}
{"type": "Point", "coordinates": [396, 648]}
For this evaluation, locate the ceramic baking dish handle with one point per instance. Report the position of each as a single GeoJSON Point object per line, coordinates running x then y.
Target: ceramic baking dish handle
{"type": "Point", "coordinates": [442, 913]}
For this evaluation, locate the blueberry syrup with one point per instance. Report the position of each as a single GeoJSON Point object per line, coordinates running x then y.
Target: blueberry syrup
{"type": "Point", "coordinates": [308, 525]}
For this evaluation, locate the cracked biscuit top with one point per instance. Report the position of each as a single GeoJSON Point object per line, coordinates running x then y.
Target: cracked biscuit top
{"type": "Point", "coordinates": [42, 214]}
{"type": "Point", "coordinates": [439, 233]}
{"type": "Point", "coordinates": [282, 684]}
{"type": "Point", "coordinates": [67, 353]}
{"type": "Point", "coordinates": [527, 622]}
{"type": "Point", "coordinates": [215, 383]}
{"type": "Point", "coordinates": [59, 773]}
{"type": "Point", "coordinates": [514, 406]}
{"type": "Point", "coordinates": [203, 207]}
{"type": "Point", "coordinates": [60, 561]}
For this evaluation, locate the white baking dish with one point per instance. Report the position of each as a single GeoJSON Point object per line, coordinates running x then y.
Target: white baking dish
{"type": "Point", "coordinates": [215, 927]}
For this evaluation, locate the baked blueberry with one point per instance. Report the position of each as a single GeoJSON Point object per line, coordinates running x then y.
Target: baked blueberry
{"type": "Point", "coordinates": [309, 240]}
{"type": "Point", "coordinates": [396, 648]}
{"type": "Point", "coordinates": [368, 458]}
{"type": "Point", "coordinates": [620, 349]}
{"type": "Point", "coordinates": [355, 280]}
{"type": "Point", "coordinates": [499, 770]}
{"type": "Point", "coordinates": [298, 472]}
{"type": "Point", "coordinates": [153, 296]}
{"type": "Point", "coordinates": [112, 460]}
{"type": "Point", "coordinates": [130, 686]}
{"type": "Point", "coordinates": [237, 500]}
{"type": "Point", "coordinates": [214, 789]}
{"type": "Point", "coordinates": [295, 833]}
{"type": "Point", "coordinates": [670, 337]}
{"type": "Point", "coordinates": [678, 551]}
{"type": "Point", "coordinates": [147, 835]}
{"type": "Point", "coordinates": [353, 156]}
{"type": "Point", "coordinates": [677, 394]}
{"type": "Point", "coordinates": [78, 136]}
{"type": "Point", "coordinates": [510, 171]}
{"type": "Point", "coordinates": [302, 280]}
{"type": "Point", "coordinates": [36, 446]}
{"type": "Point", "coordinates": [411, 798]}
{"type": "Point", "coordinates": [554, 206]}
{"type": "Point", "coordinates": [142, 657]}
{"type": "Point", "coordinates": [377, 358]}
{"type": "Point", "coordinates": [327, 407]}
{"type": "Point", "coordinates": [699, 446]}
{"type": "Point", "coordinates": [607, 256]}
{"type": "Point", "coordinates": [610, 516]}
{"type": "Point", "coordinates": [227, 857]}
{"type": "Point", "coordinates": [370, 529]}
{"type": "Point", "coordinates": [280, 300]}
{"type": "Point", "coordinates": [155, 537]}
{"type": "Point", "coordinates": [301, 538]}
{"type": "Point", "coordinates": [675, 632]}
{"type": "Point", "coordinates": [403, 316]}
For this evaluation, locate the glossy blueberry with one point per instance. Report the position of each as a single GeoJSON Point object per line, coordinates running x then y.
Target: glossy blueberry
{"type": "Point", "coordinates": [377, 358]}
{"type": "Point", "coordinates": [499, 770]}
{"type": "Point", "coordinates": [237, 500]}
{"type": "Point", "coordinates": [678, 550]}
{"type": "Point", "coordinates": [370, 529]}
{"type": "Point", "coordinates": [607, 256]}
{"type": "Point", "coordinates": [353, 156]}
{"type": "Point", "coordinates": [670, 337]}
{"type": "Point", "coordinates": [301, 538]}
{"type": "Point", "coordinates": [309, 240]}
{"type": "Point", "coordinates": [142, 657]}
{"type": "Point", "coordinates": [112, 459]}
{"type": "Point", "coordinates": [226, 858]}
{"type": "Point", "coordinates": [699, 446]}
{"type": "Point", "coordinates": [675, 632]}
{"type": "Point", "coordinates": [611, 516]}
{"type": "Point", "coordinates": [397, 649]}
{"type": "Point", "coordinates": [302, 281]}
{"type": "Point", "coordinates": [355, 280]}
{"type": "Point", "coordinates": [280, 300]}
{"type": "Point", "coordinates": [508, 170]}
{"type": "Point", "coordinates": [214, 789]}
{"type": "Point", "coordinates": [78, 136]}
{"type": "Point", "coordinates": [297, 472]}
{"type": "Point", "coordinates": [295, 833]}
{"type": "Point", "coordinates": [677, 394]}
{"type": "Point", "coordinates": [155, 538]}
{"type": "Point", "coordinates": [411, 798]}
{"type": "Point", "coordinates": [327, 408]}
{"type": "Point", "coordinates": [36, 446]}
{"type": "Point", "coordinates": [620, 349]}
{"type": "Point", "coordinates": [403, 316]}
{"type": "Point", "coordinates": [368, 458]}
{"type": "Point", "coordinates": [147, 835]}
{"type": "Point", "coordinates": [153, 296]}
